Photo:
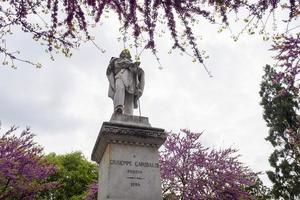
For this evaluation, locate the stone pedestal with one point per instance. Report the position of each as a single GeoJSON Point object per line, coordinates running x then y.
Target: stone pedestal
{"type": "Point", "coordinates": [127, 152]}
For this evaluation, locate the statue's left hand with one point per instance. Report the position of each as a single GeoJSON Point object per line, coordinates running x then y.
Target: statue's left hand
{"type": "Point", "coordinates": [139, 93]}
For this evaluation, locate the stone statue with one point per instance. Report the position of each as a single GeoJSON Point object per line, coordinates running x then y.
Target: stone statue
{"type": "Point", "coordinates": [126, 83]}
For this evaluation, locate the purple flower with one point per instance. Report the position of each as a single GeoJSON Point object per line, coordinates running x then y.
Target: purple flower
{"type": "Point", "coordinates": [23, 172]}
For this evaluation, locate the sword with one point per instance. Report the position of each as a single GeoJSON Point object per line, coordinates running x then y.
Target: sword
{"type": "Point", "coordinates": [139, 107]}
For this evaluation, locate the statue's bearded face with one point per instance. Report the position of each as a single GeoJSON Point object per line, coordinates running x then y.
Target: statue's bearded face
{"type": "Point", "coordinates": [125, 54]}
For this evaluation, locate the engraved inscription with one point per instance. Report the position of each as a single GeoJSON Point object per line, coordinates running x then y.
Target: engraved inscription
{"type": "Point", "coordinates": [135, 184]}
{"type": "Point", "coordinates": [136, 163]}
{"type": "Point", "coordinates": [135, 176]}
{"type": "Point", "coordinates": [146, 164]}
{"type": "Point", "coordinates": [120, 162]}
{"type": "Point", "coordinates": [130, 171]}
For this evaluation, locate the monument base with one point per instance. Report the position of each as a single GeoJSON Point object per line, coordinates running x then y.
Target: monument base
{"type": "Point", "coordinates": [128, 161]}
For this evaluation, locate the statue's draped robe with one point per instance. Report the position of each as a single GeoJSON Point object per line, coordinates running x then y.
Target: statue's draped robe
{"type": "Point", "coordinates": [125, 84]}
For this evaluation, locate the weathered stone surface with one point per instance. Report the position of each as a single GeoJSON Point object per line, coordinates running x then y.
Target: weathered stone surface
{"type": "Point", "coordinates": [129, 172]}
{"type": "Point", "coordinates": [126, 134]}
{"type": "Point", "coordinates": [130, 120]}
{"type": "Point", "coordinates": [128, 162]}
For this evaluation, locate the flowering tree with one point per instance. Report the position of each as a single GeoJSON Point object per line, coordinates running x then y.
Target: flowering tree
{"type": "Point", "coordinates": [92, 192]}
{"type": "Point", "coordinates": [62, 25]}
{"type": "Point", "coordinates": [287, 50]}
{"type": "Point", "coordinates": [23, 174]}
{"type": "Point", "coordinates": [192, 172]}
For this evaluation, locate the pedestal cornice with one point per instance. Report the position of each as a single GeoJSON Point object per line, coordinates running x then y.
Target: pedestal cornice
{"type": "Point", "coordinates": [120, 133]}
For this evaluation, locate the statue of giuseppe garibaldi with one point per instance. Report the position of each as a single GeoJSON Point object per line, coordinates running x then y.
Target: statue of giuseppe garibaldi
{"type": "Point", "coordinates": [126, 83]}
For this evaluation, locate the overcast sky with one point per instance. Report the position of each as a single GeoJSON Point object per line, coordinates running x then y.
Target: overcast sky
{"type": "Point", "coordinates": [66, 101]}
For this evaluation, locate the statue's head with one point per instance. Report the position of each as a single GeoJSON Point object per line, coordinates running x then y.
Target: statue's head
{"type": "Point", "coordinates": [125, 54]}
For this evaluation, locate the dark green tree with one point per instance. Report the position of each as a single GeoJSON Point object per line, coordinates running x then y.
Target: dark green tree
{"type": "Point", "coordinates": [75, 173]}
{"type": "Point", "coordinates": [259, 190]}
{"type": "Point", "coordinates": [281, 105]}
